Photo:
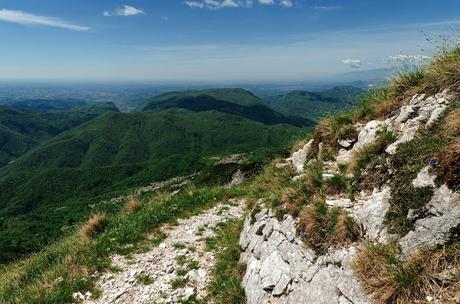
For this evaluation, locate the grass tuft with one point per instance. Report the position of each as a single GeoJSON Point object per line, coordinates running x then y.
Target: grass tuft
{"type": "Point", "coordinates": [322, 227]}
{"type": "Point", "coordinates": [132, 205]}
{"type": "Point", "coordinates": [94, 226]}
{"type": "Point", "coordinates": [388, 279]}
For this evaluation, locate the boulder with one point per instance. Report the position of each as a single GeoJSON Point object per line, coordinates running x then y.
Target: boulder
{"type": "Point", "coordinates": [424, 178]}
{"type": "Point", "coordinates": [299, 158]}
{"type": "Point", "coordinates": [372, 214]}
{"type": "Point", "coordinates": [435, 229]}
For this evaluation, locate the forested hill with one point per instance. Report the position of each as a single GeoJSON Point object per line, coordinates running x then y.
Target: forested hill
{"type": "Point", "coordinates": [21, 129]}
{"type": "Point", "coordinates": [53, 186]}
{"type": "Point", "coordinates": [316, 105]}
{"type": "Point", "coordinates": [232, 101]}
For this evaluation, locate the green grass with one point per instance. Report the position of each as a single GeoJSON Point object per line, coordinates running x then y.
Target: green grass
{"type": "Point", "coordinates": [410, 158]}
{"type": "Point", "coordinates": [144, 279]}
{"type": "Point", "coordinates": [225, 286]}
{"type": "Point", "coordinates": [32, 279]}
{"type": "Point", "coordinates": [179, 282]}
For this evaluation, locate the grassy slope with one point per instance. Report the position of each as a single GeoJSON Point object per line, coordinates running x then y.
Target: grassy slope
{"type": "Point", "coordinates": [50, 188]}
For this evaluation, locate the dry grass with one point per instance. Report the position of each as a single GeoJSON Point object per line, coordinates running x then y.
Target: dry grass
{"type": "Point", "coordinates": [449, 161]}
{"type": "Point", "coordinates": [291, 201]}
{"type": "Point", "coordinates": [327, 132]}
{"type": "Point", "coordinates": [388, 279]}
{"type": "Point", "coordinates": [132, 205]}
{"type": "Point", "coordinates": [451, 127]}
{"type": "Point", "coordinates": [443, 73]}
{"type": "Point", "coordinates": [94, 226]}
{"type": "Point", "coordinates": [323, 227]}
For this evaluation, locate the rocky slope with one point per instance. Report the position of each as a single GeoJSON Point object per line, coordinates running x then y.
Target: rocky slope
{"type": "Point", "coordinates": [281, 269]}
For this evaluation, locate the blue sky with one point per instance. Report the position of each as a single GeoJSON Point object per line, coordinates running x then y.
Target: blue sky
{"type": "Point", "coordinates": [215, 40]}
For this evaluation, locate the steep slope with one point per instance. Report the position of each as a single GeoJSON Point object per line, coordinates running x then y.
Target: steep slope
{"type": "Point", "coordinates": [317, 105]}
{"type": "Point", "coordinates": [20, 130]}
{"type": "Point", "coordinates": [232, 101]}
{"type": "Point", "coordinates": [366, 211]}
{"type": "Point", "coordinates": [370, 206]}
{"type": "Point", "coordinates": [52, 185]}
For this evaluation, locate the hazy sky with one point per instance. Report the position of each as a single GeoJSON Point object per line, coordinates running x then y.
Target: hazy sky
{"type": "Point", "coordinates": [215, 40]}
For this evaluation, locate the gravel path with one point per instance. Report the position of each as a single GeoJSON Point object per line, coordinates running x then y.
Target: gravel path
{"type": "Point", "coordinates": [149, 276]}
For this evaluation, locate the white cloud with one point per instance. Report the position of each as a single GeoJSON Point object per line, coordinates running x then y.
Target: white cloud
{"type": "Point", "coordinates": [125, 11]}
{"type": "Point", "coordinates": [267, 2]}
{"type": "Point", "coordinates": [354, 63]}
{"type": "Point", "coordinates": [409, 59]}
{"type": "Point", "coordinates": [31, 19]}
{"type": "Point", "coordinates": [218, 4]}
{"type": "Point", "coordinates": [286, 3]}
{"type": "Point", "coordinates": [327, 8]}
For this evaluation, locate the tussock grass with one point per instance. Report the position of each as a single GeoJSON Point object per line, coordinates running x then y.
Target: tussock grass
{"type": "Point", "coordinates": [323, 227]}
{"type": "Point", "coordinates": [451, 127]}
{"type": "Point", "coordinates": [443, 73]}
{"type": "Point", "coordinates": [449, 161]}
{"type": "Point", "coordinates": [327, 132]}
{"type": "Point", "coordinates": [272, 182]}
{"type": "Point", "coordinates": [388, 279]}
{"type": "Point", "coordinates": [132, 205]}
{"type": "Point", "coordinates": [94, 226]}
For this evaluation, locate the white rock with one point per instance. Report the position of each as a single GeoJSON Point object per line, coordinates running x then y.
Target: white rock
{"type": "Point", "coordinates": [341, 202]}
{"type": "Point", "coordinates": [424, 178]}
{"type": "Point", "coordinates": [372, 214]}
{"type": "Point", "coordinates": [299, 157]}
{"type": "Point", "coordinates": [444, 215]}
{"type": "Point", "coordinates": [345, 143]}
{"type": "Point", "coordinates": [368, 135]}
{"type": "Point", "coordinates": [78, 296]}
{"type": "Point", "coordinates": [188, 293]}
{"type": "Point", "coordinates": [273, 268]}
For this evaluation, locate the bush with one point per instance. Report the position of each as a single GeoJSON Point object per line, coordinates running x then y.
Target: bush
{"type": "Point", "coordinates": [322, 227]}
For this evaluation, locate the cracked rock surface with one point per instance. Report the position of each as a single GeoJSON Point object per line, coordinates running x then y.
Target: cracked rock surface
{"type": "Point", "coordinates": [281, 270]}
